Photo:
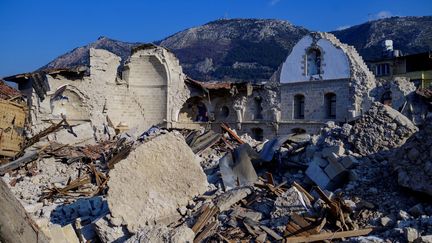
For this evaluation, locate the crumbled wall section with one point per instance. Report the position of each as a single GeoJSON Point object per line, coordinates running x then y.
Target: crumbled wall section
{"type": "Point", "coordinates": [354, 72]}
{"type": "Point", "coordinates": [151, 92]}
{"type": "Point", "coordinates": [380, 128]}
{"type": "Point", "coordinates": [156, 79]}
{"type": "Point", "coordinates": [413, 161]}
{"type": "Point", "coordinates": [362, 79]}
{"type": "Point", "coordinates": [154, 180]}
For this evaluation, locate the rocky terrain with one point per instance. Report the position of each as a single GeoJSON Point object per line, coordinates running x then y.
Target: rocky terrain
{"type": "Point", "coordinates": [238, 49]}
{"type": "Point", "coordinates": [81, 56]}
{"type": "Point", "coordinates": [409, 34]}
{"type": "Point", "coordinates": [252, 49]}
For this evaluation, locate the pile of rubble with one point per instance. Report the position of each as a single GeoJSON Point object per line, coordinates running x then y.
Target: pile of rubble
{"type": "Point", "coordinates": [200, 185]}
{"type": "Point", "coordinates": [413, 161]}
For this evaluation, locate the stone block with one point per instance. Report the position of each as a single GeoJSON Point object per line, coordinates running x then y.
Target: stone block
{"type": "Point", "coordinates": [335, 171]}
{"type": "Point", "coordinates": [349, 162]}
{"type": "Point", "coordinates": [83, 134]}
{"type": "Point", "coordinates": [156, 178]}
{"type": "Point", "coordinates": [317, 175]}
{"type": "Point", "coordinates": [69, 234]}
{"type": "Point", "coordinates": [333, 158]}
{"type": "Point", "coordinates": [411, 234]}
{"type": "Point", "coordinates": [320, 161]}
{"type": "Point", "coordinates": [337, 149]}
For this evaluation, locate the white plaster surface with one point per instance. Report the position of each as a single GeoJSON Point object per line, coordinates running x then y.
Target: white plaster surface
{"type": "Point", "coordinates": [334, 64]}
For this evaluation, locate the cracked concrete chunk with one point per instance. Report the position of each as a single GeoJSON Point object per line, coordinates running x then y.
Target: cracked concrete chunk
{"type": "Point", "coordinates": [317, 175]}
{"type": "Point", "coordinates": [154, 180]}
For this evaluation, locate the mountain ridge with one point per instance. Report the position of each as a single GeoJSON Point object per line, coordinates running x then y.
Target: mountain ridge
{"type": "Point", "coordinates": [253, 49]}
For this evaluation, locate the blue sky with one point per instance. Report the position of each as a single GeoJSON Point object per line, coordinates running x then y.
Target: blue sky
{"type": "Point", "coordinates": [32, 33]}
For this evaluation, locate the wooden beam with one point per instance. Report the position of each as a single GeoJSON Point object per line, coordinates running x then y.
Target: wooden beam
{"type": "Point", "coordinates": [329, 235]}
{"type": "Point", "coordinates": [232, 134]}
{"type": "Point", "coordinates": [301, 189]}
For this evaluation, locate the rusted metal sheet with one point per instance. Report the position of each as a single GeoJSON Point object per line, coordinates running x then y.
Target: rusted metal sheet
{"type": "Point", "coordinates": [211, 85]}
{"type": "Point", "coordinates": [12, 121]}
{"type": "Point", "coordinates": [7, 92]}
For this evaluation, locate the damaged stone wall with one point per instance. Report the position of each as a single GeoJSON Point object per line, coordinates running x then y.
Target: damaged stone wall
{"type": "Point", "coordinates": [156, 79]}
{"type": "Point", "coordinates": [400, 95]}
{"type": "Point", "coordinates": [314, 103]}
{"type": "Point", "coordinates": [151, 92]}
{"type": "Point", "coordinates": [341, 71]}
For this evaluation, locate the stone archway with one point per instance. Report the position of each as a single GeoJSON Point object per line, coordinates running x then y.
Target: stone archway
{"type": "Point", "coordinates": [193, 110]}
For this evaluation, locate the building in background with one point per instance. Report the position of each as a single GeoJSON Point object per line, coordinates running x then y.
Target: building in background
{"type": "Point", "coordinates": [393, 64]}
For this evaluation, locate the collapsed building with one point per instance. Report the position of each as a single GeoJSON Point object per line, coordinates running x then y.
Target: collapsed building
{"type": "Point", "coordinates": [321, 80]}
{"type": "Point", "coordinates": [147, 91]}
{"type": "Point", "coordinates": [142, 153]}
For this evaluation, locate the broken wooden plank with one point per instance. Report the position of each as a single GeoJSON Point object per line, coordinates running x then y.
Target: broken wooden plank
{"type": "Point", "coordinates": [271, 232]}
{"type": "Point", "coordinates": [270, 179]}
{"type": "Point", "coordinates": [232, 134]}
{"type": "Point", "coordinates": [206, 232]}
{"type": "Point", "coordinates": [294, 230]}
{"type": "Point", "coordinates": [43, 133]}
{"type": "Point", "coordinates": [299, 220]}
{"type": "Point", "coordinates": [249, 229]}
{"type": "Point", "coordinates": [299, 226]}
{"type": "Point", "coordinates": [224, 238]}
{"type": "Point", "coordinates": [301, 189]}
{"type": "Point", "coordinates": [229, 198]}
{"type": "Point", "coordinates": [123, 153]}
{"type": "Point", "coordinates": [27, 158]}
{"type": "Point", "coordinates": [206, 215]}
{"type": "Point", "coordinates": [261, 238]}
{"type": "Point", "coordinates": [329, 235]}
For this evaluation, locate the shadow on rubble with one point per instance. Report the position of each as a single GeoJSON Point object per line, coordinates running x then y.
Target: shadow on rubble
{"type": "Point", "coordinates": [84, 209]}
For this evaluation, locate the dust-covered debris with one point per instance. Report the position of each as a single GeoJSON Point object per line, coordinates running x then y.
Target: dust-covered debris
{"type": "Point", "coordinates": [379, 129]}
{"type": "Point", "coordinates": [413, 161]}
{"type": "Point", "coordinates": [153, 181]}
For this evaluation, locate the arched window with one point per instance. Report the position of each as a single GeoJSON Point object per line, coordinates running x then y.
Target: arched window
{"type": "Point", "coordinates": [224, 112]}
{"type": "Point", "coordinates": [299, 106]}
{"type": "Point", "coordinates": [330, 105]}
{"type": "Point", "coordinates": [258, 108]}
{"type": "Point", "coordinates": [313, 65]}
{"type": "Point", "coordinates": [193, 110]}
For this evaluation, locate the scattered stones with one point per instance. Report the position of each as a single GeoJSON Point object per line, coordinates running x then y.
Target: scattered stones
{"type": "Point", "coordinates": [414, 167]}
{"type": "Point", "coordinates": [411, 234]}
{"type": "Point", "coordinates": [386, 221]}
{"type": "Point", "coordinates": [372, 132]}
{"type": "Point", "coordinates": [403, 215]}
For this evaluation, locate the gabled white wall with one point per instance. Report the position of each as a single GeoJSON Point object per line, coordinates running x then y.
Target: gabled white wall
{"type": "Point", "coordinates": [334, 63]}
